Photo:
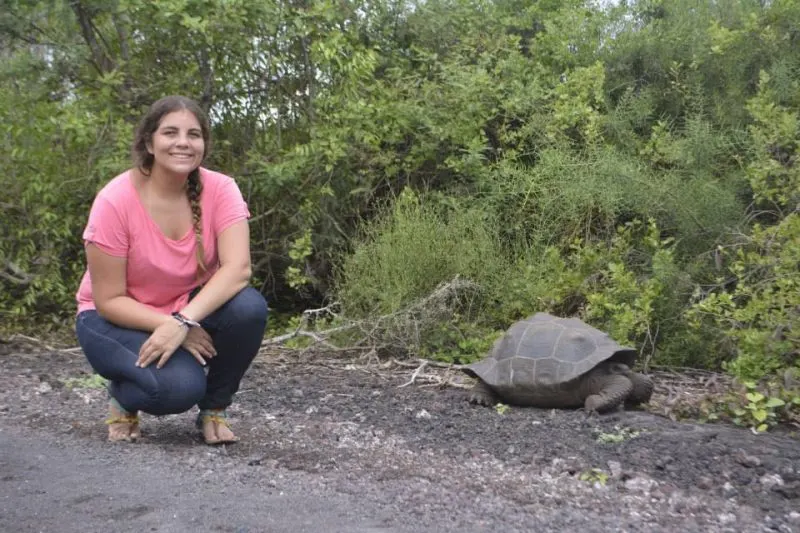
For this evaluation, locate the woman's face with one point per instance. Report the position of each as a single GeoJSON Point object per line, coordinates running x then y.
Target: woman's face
{"type": "Point", "coordinates": [177, 144]}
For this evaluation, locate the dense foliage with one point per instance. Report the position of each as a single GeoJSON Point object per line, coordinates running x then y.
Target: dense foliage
{"type": "Point", "coordinates": [635, 165]}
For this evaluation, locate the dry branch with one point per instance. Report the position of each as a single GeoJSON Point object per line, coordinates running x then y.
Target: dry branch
{"type": "Point", "coordinates": [17, 337]}
{"type": "Point", "coordinates": [397, 332]}
{"type": "Point", "coordinates": [14, 274]}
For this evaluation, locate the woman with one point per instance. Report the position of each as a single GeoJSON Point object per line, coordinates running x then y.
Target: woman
{"type": "Point", "coordinates": [164, 309]}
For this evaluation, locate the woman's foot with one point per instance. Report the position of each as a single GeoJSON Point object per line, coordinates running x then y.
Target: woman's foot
{"type": "Point", "coordinates": [122, 425]}
{"type": "Point", "coordinates": [215, 427]}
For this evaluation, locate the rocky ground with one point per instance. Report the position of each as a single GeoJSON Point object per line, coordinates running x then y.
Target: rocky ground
{"type": "Point", "coordinates": [421, 456]}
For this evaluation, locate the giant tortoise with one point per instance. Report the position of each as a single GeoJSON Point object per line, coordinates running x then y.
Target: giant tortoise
{"type": "Point", "coordinates": [547, 361]}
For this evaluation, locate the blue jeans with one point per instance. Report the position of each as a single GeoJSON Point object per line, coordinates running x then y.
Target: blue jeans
{"type": "Point", "coordinates": [236, 328]}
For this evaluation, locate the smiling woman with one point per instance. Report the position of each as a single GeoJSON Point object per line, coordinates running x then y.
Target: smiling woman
{"type": "Point", "coordinates": [166, 290]}
{"type": "Point", "coordinates": [177, 146]}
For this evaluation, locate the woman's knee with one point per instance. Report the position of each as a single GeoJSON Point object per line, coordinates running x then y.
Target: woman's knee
{"type": "Point", "coordinates": [109, 349]}
{"type": "Point", "coordinates": [177, 387]}
{"type": "Point", "coordinates": [248, 306]}
{"type": "Point", "coordinates": [183, 399]}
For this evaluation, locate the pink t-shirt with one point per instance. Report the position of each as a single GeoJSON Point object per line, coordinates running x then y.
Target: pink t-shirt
{"type": "Point", "coordinates": [161, 272]}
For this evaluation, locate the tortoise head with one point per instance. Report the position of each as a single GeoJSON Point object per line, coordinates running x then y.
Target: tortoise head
{"type": "Point", "coordinates": [614, 367]}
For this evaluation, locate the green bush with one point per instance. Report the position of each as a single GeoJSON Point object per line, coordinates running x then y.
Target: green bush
{"type": "Point", "coordinates": [755, 311]}
{"type": "Point", "coordinates": [405, 254]}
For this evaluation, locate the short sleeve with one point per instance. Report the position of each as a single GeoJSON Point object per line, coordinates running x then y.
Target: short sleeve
{"type": "Point", "coordinates": [230, 206]}
{"type": "Point", "coordinates": [106, 228]}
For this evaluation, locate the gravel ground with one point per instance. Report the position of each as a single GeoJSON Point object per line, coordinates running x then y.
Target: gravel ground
{"type": "Point", "coordinates": [347, 446]}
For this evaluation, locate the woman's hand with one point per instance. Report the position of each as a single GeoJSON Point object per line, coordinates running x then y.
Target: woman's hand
{"type": "Point", "coordinates": [198, 342]}
{"type": "Point", "coordinates": [162, 344]}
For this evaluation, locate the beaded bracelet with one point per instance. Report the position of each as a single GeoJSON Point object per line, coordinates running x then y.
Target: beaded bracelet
{"type": "Point", "coordinates": [188, 322]}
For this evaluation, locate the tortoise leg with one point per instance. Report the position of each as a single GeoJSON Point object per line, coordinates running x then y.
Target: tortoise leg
{"type": "Point", "coordinates": [612, 389]}
{"type": "Point", "coordinates": [482, 394]}
{"type": "Point", "coordinates": [642, 389]}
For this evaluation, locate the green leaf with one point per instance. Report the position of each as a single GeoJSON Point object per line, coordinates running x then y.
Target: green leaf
{"type": "Point", "coordinates": [775, 402]}
{"type": "Point", "coordinates": [754, 397]}
{"type": "Point", "coordinates": [760, 415]}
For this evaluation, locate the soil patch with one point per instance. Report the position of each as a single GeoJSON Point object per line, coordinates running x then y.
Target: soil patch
{"type": "Point", "coordinates": [426, 455]}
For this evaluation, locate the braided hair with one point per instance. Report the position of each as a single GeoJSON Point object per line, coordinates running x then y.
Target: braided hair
{"type": "Point", "coordinates": [194, 189]}
{"type": "Point", "coordinates": [143, 159]}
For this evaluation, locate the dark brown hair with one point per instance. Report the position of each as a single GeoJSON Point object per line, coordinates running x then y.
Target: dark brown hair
{"type": "Point", "coordinates": [143, 159]}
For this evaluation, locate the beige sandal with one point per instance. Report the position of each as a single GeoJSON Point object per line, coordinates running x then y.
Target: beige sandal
{"type": "Point", "coordinates": [215, 416]}
{"type": "Point", "coordinates": [123, 417]}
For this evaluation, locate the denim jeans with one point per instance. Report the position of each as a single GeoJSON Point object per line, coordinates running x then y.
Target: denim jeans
{"type": "Point", "coordinates": [236, 329]}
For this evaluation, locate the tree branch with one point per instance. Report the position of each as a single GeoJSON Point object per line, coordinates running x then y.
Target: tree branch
{"type": "Point", "coordinates": [101, 61]}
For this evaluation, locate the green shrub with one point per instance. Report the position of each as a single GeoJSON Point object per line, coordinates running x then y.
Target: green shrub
{"type": "Point", "coordinates": [404, 255]}
{"type": "Point", "coordinates": [754, 311]}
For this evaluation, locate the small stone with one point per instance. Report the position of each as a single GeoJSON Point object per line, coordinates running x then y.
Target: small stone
{"type": "Point", "coordinates": [640, 484]}
{"type": "Point", "coordinates": [44, 387]}
{"type": "Point", "coordinates": [726, 519]}
{"type": "Point", "coordinates": [789, 491]}
{"type": "Point", "coordinates": [705, 483]}
{"type": "Point", "coordinates": [664, 462]}
{"type": "Point", "coordinates": [793, 518]}
{"type": "Point", "coordinates": [666, 492]}
{"type": "Point", "coordinates": [750, 461]}
{"type": "Point", "coordinates": [297, 393]}
{"type": "Point", "coordinates": [728, 490]}
{"type": "Point", "coordinates": [570, 465]}
{"type": "Point", "coordinates": [615, 468]}
{"type": "Point", "coordinates": [679, 502]}
{"type": "Point", "coordinates": [311, 410]}
{"type": "Point", "coordinates": [787, 472]}
{"type": "Point", "coordinates": [771, 480]}
{"type": "Point", "coordinates": [423, 414]}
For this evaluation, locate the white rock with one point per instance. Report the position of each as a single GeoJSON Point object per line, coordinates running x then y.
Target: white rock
{"type": "Point", "coordinates": [615, 467]}
{"type": "Point", "coordinates": [44, 387]}
{"type": "Point", "coordinates": [640, 484]}
{"type": "Point", "coordinates": [727, 519]}
{"type": "Point", "coordinates": [771, 480]}
{"type": "Point", "coordinates": [793, 518]}
{"type": "Point", "coordinates": [423, 414]}
{"type": "Point", "coordinates": [728, 489]}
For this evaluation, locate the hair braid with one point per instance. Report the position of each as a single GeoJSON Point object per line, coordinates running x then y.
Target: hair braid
{"type": "Point", "coordinates": [194, 189]}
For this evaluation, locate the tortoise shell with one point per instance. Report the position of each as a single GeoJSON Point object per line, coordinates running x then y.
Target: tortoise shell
{"type": "Point", "coordinates": [545, 354]}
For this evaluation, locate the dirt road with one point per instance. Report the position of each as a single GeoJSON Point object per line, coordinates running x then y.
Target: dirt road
{"type": "Point", "coordinates": [331, 447]}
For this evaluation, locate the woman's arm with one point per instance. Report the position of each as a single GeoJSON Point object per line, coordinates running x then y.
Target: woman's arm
{"type": "Point", "coordinates": [233, 275]}
{"type": "Point", "coordinates": [109, 290]}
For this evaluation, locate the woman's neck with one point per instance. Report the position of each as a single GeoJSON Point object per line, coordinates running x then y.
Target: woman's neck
{"type": "Point", "coordinates": [166, 184]}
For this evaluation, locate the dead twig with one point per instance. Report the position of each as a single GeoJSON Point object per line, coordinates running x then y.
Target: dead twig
{"type": "Point", "coordinates": [14, 274]}
{"type": "Point", "coordinates": [18, 337]}
{"type": "Point", "coordinates": [398, 331]}
{"type": "Point", "coordinates": [411, 381]}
